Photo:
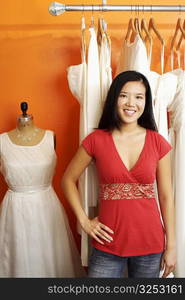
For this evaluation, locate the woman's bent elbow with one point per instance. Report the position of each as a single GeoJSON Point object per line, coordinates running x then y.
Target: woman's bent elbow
{"type": "Point", "coordinates": [66, 181]}
{"type": "Point", "coordinates": [63, 182]}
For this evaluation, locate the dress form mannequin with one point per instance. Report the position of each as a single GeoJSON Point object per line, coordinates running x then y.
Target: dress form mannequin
{"type": "Point", "coordinates": [26, 133]}
{"type": "Point", "coordinates": [35, 236]}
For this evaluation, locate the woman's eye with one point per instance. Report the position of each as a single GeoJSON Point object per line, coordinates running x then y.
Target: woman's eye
{"type": "Point", "coordinates": [122, 96]}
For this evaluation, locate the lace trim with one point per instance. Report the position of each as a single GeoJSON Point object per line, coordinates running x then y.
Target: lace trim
{"type": "Point", "coordinates": [116, 191]}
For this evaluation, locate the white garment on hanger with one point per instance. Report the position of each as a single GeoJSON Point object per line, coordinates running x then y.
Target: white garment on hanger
{"type": "Point", "coordinates": [133, 56]}
{"type": "Point", "coordinates": [164, 90]}
{"type": "Point", "coordinates": [84, 83]}
{"type": "Point", "coordinates": [76, 76]}
{"type": "Point", "coordinates": [177, 139]}
{"type": "Point", "coordinates": [94, 107]}
{"type": "Point", "coordinates": [105, 67]}
{"type": "Point", "coordinates": [167, 84]}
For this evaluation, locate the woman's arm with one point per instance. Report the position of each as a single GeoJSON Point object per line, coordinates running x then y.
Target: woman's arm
{"type": "Point", "coordinates": [167, 207]}
{"type": "Point", "coordinates": [76, 167]}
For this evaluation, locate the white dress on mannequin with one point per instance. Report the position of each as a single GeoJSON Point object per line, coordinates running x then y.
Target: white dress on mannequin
{"type": "Point", "coordinates": [35, 237]}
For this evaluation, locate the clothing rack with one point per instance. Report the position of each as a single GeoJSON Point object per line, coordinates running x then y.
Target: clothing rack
{"type": "Point", "coordinates": [57, 9]}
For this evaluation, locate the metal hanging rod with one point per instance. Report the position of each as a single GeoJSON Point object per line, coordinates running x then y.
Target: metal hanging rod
{"type": "Point", "coordinates": [57, 9]}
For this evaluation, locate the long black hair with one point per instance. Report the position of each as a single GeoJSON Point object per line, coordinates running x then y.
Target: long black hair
{"type": "Point", "coordinates": [110, 118]}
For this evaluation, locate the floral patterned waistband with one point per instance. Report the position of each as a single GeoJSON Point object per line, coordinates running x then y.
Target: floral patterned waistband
{"type": "Point", "coordinates": [116, 191]}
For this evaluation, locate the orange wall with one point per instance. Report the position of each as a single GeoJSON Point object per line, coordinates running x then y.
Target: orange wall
{"type": "Point", "coordinates": [35, 51]}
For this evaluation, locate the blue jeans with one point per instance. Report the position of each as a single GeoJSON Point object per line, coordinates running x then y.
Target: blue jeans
{"type": "Point", "coordinates": [106, 265]}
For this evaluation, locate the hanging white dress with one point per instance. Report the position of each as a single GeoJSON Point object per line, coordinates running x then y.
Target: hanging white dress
{"type": "Point", "coordinates": [35, 237]}
{"type": "Point", "coordinates": [105, 62]}
{"type": "Point", "coordinates": [164, 89]}
{"type": "Point", "coordinates": [133, 56]}
{"type": "Point", "coordinates": [84, 83]}
{"type": "Point", "coordinates": [77, 80]}
{"type": "Point", "coordinates": [177, 139]}
{"type": "Point", "coordinates": [94, 107]}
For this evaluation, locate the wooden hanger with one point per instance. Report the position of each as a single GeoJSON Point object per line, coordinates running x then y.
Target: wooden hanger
{"type": "Point", "coordinates": [104, 26]}
{"type": "Point", "coordinates": [177, 29]}
{"type": "Point", "coordinates": [181, 38]}
{"type": "Point", "coordinates": [145, 29]}
{"type": "Point", "coordinates": [131, 30]}
{"type": "Point", "coordinates": [100, 31]}
{"type": "Point", "coordinates": [178, 50]}
{"type": "Point", "coordinates": [147, 37]}
{"type": "Point", "coordinates": [138, 27]}
{"type": "Point", "coordinates": [152, 26]}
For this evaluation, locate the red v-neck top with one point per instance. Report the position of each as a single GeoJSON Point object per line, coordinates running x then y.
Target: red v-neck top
{"type": "Point", "coordinates": [127, 202]}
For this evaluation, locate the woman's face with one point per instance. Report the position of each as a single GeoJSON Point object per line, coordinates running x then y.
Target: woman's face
{"type": "Point", "coordinates": [131, 101]}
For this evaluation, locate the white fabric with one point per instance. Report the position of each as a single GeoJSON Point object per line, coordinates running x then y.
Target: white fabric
{"type": "Point", "coordinates": [94, 107]}
{"type": "Point", "coordinates": [35, 237]}
{"type": "Point", "coordinates": [164, 87]}
{"type": "Point", "coordinates": [84, 83]}
{"type": "Point", "coordinates": [133, 56]}
{"type": "Point", "coordinates": [165, 92]}
{"type": "Point", "coordinates": [105, 67]}
{"type": "Point", "coordinates": [77, 80]}
{"type": "Point", "coordinates": [177, 138]}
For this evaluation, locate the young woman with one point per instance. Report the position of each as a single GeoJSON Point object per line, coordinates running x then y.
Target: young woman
{"type": "Point", "coordinates": [129, 155]}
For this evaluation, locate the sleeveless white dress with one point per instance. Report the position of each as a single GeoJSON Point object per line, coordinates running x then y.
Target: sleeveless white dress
{"type": "Point", "coordinates": [35, 237]}
{"type": "Point", "coordinates": [177, 139]}
{"type": "Point", "coordinates": [84, 84]}
{"type": "Point", "coordinates": [105, 65]}
{"type": "Point", "coordinates": [133, 56]}
{"type": "Point", "coordinates": [164, 87]}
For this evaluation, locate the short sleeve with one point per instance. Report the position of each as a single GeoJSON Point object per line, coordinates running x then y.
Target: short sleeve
{"type": "Point", "coordinates": [163, 146]}
{"type": "Point", "coordinates": [89, 144]}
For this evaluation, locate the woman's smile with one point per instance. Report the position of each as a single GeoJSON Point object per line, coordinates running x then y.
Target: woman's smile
{"type": "Point", "coordinates": [131, 101]}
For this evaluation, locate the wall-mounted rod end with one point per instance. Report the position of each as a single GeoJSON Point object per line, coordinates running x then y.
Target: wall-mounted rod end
{"type": "Point", "coordinates": [56, 9]}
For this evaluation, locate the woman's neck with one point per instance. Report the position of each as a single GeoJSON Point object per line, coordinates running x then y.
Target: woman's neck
{"type": "Point", "coordinates": [129, 128]}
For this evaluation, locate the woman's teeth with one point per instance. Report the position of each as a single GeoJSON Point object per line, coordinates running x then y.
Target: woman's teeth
{"type": "Point", "coordinates": [129, 112]}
